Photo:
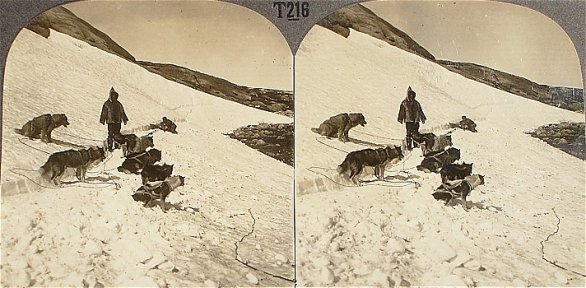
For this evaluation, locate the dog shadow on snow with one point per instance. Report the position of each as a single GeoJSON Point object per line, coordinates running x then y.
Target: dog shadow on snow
{"type": "Point", "coordinates": [174, 206]}
{"type": "Point", "coordinates": [67, 144]}
{"type": "Point", "coordinates": [92, 180]}
{"type": "Point", "coordinates": [479, 205]}
{"type": "Point", "coordinates": [364, 143]}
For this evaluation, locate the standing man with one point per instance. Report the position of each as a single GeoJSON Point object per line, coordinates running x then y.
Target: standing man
{"type": "Point", "coordinates": [113, 114]}
{"type": "Point", "coordinates": [411, 113]}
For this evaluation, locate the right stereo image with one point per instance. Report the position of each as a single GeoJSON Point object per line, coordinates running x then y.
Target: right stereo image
{"type": "Point", "coordinates": [439, 143]}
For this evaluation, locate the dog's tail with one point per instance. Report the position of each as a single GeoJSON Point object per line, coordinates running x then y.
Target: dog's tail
{"type": "Point", "coordinates": [315, 130]}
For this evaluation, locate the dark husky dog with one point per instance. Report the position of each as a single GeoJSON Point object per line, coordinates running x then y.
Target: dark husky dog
{"type": "Point", "coordinates": [130, 143]}
{"type": "Point", "coordinates": [80, 160]}
{"type": "Point", "coordinates": [458, 189]}
{"type": "Point", "coordinates": [150, 192]}
{"type": "Point", "coordinates": [152, 173]}
{"type": "Point", "coordinates": [42, 126]}
{"type": "Point", "coordinates": [455, 171]}
{"type": "Point", "coordinates": [377, 158]}
{"type": "Point", "coordinates": [134, 163]}
{"type": "Point", "coordinates": [339, 125]}
{"type": "Point", "coordinates": [434, 162]}
{"type": "Point", "coordinates": [430, 143]}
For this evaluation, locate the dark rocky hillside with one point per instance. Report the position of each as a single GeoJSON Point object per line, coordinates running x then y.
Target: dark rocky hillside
{"type": "Point", "coordinates": [62, 20]}
{"type": "Point", "coordinates": [361, 19]}
{"type": "Point", "coordinates": [563, 97]}
{"type": "Point", "coordinates": [274, 140]}
{"type": "Point", "coordinates": [277, 101]}
{"type": "Point", "coordinates": [566, 136]}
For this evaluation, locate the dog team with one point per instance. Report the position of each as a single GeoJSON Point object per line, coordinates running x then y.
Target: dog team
{"type": "Point", "coordinates": [139, 153]}
{"type": "Point", "coordinates": [439, 155]}
{"type": "Point", "coordinates": [141, 156]}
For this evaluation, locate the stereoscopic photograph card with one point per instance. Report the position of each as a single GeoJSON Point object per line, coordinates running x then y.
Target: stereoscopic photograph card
{"type": "Point", "coordinates": [439, 143]}
{"type": "Point", "coordinates": [292, 143]}
{"type": "Point", "coordinates": [147, 143]}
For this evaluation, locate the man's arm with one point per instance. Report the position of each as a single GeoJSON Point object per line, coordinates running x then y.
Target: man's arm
{"type": "Point", "coordinates": [401, 116]}
{"type": "Point", "coordinates": [104, 114]}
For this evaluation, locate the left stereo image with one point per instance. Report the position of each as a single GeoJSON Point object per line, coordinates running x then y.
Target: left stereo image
{"type": "Point", "coordinates": [148, 144]}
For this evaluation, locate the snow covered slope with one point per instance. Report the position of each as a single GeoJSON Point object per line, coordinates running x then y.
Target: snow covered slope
{"type": "Point", "coordinates": [394, 232]}
{"type": "Point", "coordinates": [94, 233]}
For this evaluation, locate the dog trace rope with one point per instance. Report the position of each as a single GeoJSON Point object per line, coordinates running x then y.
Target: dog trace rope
{"type": "Point", "coordinates": [77, 136]}
{"type": "Point", "coordinates": [23, 138]}
{"type": "Point", "coordinates": [373, 135]}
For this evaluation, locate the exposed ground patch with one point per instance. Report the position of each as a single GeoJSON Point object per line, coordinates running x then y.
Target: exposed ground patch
{"type": "Point", "coordinates": [274, 140]}
{"type": "Point", "coordinates": [566, 136]}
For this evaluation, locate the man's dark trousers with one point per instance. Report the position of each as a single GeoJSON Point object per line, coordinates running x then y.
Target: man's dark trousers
{"type": "Point", "coordinates": [113, 129]}
{"type": "Point", "coordinates": [411, 128]}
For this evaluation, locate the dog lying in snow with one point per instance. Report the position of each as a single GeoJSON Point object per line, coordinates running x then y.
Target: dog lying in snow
{"type": "Point", "coordinates": [458, 189]}
{"type": "Point", "coordinates": [434, 162]}
{"type": "Point", "coordinates": [152, 173]}
{"type": "Point", "coordinates": [130, 143]}
{"type": "Point", "coordinates": [158, 191]}
{"type": "Point", "coordinates": [134, 163]}
{"type": "Point", "coordinates": [355, 161]}
{"type": "Point", "coordinates": [455, 171]}
{"type": "Point", "coordinates": [430, 143]}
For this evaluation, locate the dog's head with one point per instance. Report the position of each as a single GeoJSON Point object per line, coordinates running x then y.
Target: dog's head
{"type": "Point", "coordinates": [395, 153]}
{"type": "Point", "coordinates": [155, 154]}
{"type": "Point", "coordinates": [467, 167]}
{"type": "Point", "coordinates": [357, 119]}
{"type": "Point", "coordinates": [167, 168]}
{"type": "Point", "coordinates": [181, 180]}
{"type": "Point", "coordinates": [176, 181]}
{"type": "Point", "coordinates": [96, 154]}
{"type": "Point", "coordinates": [475, 180]}
{"type": "Point", "coordinates": [149, 141]}
{"type": "Point", "coordinates": [453, 153]}
{"type": "Point", "coordinates": [448, 139]}
{"type": "Point", "coordinates": [60, 120]}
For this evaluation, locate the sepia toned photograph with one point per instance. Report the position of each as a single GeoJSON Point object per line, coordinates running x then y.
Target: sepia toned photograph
{"type": "Point", "coordinates": [145, 144]}
{"type": "Point", "coordinates": [439, 143]}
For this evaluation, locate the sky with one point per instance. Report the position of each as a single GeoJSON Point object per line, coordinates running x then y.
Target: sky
{"type": "Point", "coordinates": [239, 45]}
{"type": "Point", "coordinates": [503, 36]}
{"type": "Point", "coordinates": [217, 38]}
